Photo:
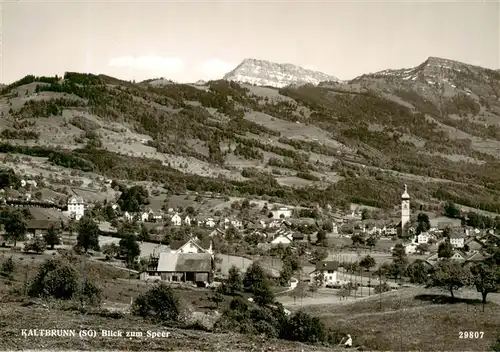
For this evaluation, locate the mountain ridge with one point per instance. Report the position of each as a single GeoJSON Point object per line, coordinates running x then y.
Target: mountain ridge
{"type": "Point", "coordinates": [279, 75]}
{"type": "Point", "coordinates": [357, 141]}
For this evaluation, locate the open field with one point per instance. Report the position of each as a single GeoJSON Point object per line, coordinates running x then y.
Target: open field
{"type": "Point", "coordinates": [410, 320]}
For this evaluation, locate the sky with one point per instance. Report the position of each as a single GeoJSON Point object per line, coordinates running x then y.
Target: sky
{"type": "Point", "coordinates": [186, 40]}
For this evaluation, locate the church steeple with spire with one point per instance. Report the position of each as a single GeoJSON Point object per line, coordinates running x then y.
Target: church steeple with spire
{"type": "Point", "coordinates": [405, 208]}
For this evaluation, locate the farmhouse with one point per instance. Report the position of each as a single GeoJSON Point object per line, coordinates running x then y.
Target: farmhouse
{"type": "Point", "coordinates": [181, 267]}
{"type": "Point", "coordinates": [36, 227]}
{"type": "Point", "coordinates": [329, 270]}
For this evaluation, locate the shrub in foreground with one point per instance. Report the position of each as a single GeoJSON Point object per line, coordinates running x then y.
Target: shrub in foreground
{"type": "Point", "coordinates": [159, 304]}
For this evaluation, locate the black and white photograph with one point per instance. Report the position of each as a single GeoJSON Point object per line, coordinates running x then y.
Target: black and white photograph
{"type": "Point", "coordinates": [250, 175]}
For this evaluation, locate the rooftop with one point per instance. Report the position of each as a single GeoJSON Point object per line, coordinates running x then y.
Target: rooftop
{"type": "Point", "coordinates": [184, 262]}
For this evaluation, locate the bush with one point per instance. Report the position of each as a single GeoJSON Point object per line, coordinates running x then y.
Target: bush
{"type": "Point", "coordinates": [58, 279]}
{"type": "Point", "coordinates": [8, 268]}
{"type": "Point", "coordinates": [304, 328]}
{"type": "Point", "coordinates": [159, 304]}
{"type": "Point", "coordinates": [37, 245]}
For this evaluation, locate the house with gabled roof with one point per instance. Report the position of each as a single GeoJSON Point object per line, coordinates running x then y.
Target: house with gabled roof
{"type": "Point", "coordinates": [192, 245]}
{"type": "Point", "coordinates": [284, 239]}
{"type": "Point", "coordinates": [474, 244]}
{"type": "Point", "coordinates": [181, 267]}
{"type": "Point", "coordinates": [217, 232]}
{"type": "Point", "coordinates": [329, 269]}
{"type": "Point", "coordinates": [176, 220]}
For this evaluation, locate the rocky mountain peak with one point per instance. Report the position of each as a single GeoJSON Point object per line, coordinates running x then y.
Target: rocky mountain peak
{"type": "Point", "coordinates": [267, 73]}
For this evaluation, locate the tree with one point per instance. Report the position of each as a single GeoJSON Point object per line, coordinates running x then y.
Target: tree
{"type": "Point", "coordinates": [130, 248]}
{"type": "Point", "coordinates": [448, 274]}
{"type": "Point", "coordinates": [88, 235]}
{"type": "Point", "coordinates": [319, 279]}
{"type": "Point", "coordinates": [371, 241]}
{"type": "Point", "coordinates": [58, 279]}
{"type": "Point", "coordinates": [262, 294]}
{"type": "Point", "coordinates": [486, 278]}
{"type": "Point", "coordinates": [216, 298]}
{"type": "Point", "coordinates": [51, 237]}
{"type": "Point", "coordinates": [110, 250]}
{"type": "Point", "coordinates": [133, 198]}
{"type": "Point", "coordinates": [234, 282]}
{"type": "Point", "coordinates": [8, 267]}
{"type": "Point", "coordinates": [367, 263]}
{"type": "Point", "coordinates": [304, 328]}
{"type": "Point", "coordinates": [319, 255]}
{"type": "Point", "coordinates": [143, 234]}
{"type": "Point", "coordinates": [286, 273]}
{"type": "Point", "coordinates": [365, 214]}
{"type": "Point", "coordinates": [423, 223]}
{"type": "Point", "coordinates": [321, 238]}
{"type": "Point", "coordinates": [15, 226]}
{"type": "Point", "coordinates": [451, 210]}
{"type": "Point", "coordinates": [159, 304]}
{"type": "Point", "coordinates": [445, 249]}
{"type": "Point", "coordinates": [254, 276]}
{"type": "Point", "coordinates": [422, 248]}
{"type": "Point", "coordinates": [37, 245]}
{"type": "Point", "coordinates": [8, 178]}
{"type": "Point", "coordinates": [399, 261]}
{"type": "Point", "coordinates": [417, 272]}
{"type": "Point", "coordinates": [358, 240]}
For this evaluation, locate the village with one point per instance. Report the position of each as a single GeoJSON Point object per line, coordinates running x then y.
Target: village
{"type": "Point", "coordinates": [325, 238]}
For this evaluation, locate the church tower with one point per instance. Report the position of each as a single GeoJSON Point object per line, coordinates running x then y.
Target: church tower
{"type": "Point", "coordinates": [405, 208]}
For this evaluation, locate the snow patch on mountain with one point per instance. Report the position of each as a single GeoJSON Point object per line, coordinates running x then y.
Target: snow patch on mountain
{"type": "Point", "coordinates": [266, 73]}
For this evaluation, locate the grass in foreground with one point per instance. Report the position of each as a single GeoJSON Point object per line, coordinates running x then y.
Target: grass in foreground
{"type": "Point", "coordinates": [412, 321]}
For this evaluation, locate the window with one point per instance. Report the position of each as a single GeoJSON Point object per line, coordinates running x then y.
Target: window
{"type": "Point", "coordinates": [330, 271]}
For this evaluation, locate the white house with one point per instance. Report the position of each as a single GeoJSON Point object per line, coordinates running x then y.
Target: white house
{"type": "Point", "coordinates": [144, 216]}
{"type": "Point", "coordinates": [457, 240]}
{"type": "Point", "coordinates": [282, 239]}
{"type": "Point", "coordinates": [329, 270]}
{"type": "Point", "coordinates": [127, 216]}
{"type": "Point", "coordinates": [423, 238]}
{"type": "Point", "coordinates": [187, 220]}
{"type": "Point", "coordinates": [282, 213]}
{"type": "Point", "coordinates": [210, 222]}
{"type": "Point", "coordinates": [76, 207]}
{"type": "Point", "coordinates": [237, 223]}
{"type": "Point", "coordinates": [176, 220]}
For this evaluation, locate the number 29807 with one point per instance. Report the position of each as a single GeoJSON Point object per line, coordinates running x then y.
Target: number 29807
{"type": "Point", "coordinates": [470, 334]}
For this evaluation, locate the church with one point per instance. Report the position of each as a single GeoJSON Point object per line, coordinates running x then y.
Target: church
{"type": "Point", "coordinates": [405, 208]}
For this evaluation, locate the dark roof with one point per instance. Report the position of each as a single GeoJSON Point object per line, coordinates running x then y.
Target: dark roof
{"type": "Point", "coordinates": [42, 224]}
{"type": "Point", "coordinates": [298, 236]}
{"type": "Point", "coordinates": [184, 262]}
{"type": "Point", "coordinates": [327, 265]}
{"type": "Point", "coordinates": [175, 245]}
